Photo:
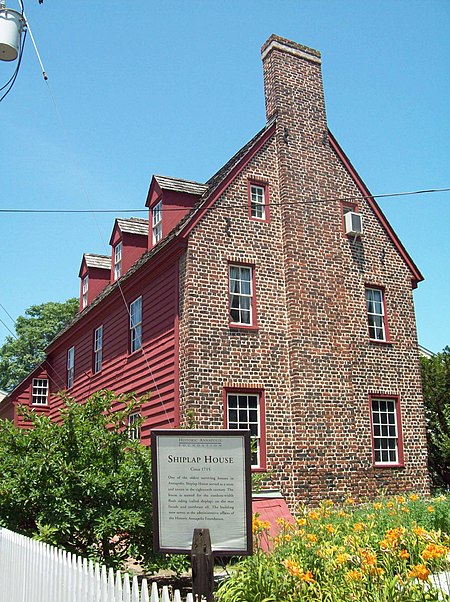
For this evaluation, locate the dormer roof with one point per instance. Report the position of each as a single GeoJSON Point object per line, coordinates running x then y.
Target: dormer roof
{"type": "Point", "coordinates": [97, 261]}
{"type": "Point", "coordinates": [133, 225]}
{"type": "Point", "coordinates": [130, 225]}
{"type": "Point", "coordinates": [179, 185]}
{"type": "Point", "coordinates": [102, 262]}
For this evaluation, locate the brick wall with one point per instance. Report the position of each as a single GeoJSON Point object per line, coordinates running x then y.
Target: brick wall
{"type": "Point", "coordinates": [311, 353]}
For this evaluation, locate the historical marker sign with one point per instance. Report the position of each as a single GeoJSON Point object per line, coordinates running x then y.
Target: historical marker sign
{"type": "Point", "coordinates": [202, 480]}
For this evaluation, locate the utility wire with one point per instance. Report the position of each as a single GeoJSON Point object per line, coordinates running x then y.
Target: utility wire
{"type": "Point", "coordinates": [293, 203]}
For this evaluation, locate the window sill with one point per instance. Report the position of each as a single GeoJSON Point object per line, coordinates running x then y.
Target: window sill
{"type": "Point", "coordinates": [401, 465]}
{"type": "Point", "coordinates": [259, 220]}
{"type": "Point", "coordinates": [382, 343]}
{"type": "Point", "coordinates": [243, 327]}
{"type": "Point", "coordinates": [132, 354]}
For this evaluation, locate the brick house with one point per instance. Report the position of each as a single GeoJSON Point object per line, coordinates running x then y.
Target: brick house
{"type": "Point", "coordinates": [275, 297]}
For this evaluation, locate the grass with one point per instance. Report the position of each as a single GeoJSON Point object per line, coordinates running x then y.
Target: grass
{"type": "Point", "coordinates": [383, 551]}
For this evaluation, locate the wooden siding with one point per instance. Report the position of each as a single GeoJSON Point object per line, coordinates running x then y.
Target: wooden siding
{"type": "Point", "coordinates": [152, 369]}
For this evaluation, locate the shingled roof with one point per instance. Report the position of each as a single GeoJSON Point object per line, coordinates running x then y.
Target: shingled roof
{"type": "Point", "coordinates": [133, 225]}
{"type": "Point", "coordinates": [179, 185]}
{"type": "Point", "coordinates": [97, 261]}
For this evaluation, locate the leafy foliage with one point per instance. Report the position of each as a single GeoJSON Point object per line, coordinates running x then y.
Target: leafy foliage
{"type": "Point", "coordinates": [35, 330]}
{"type": "Point", "coordinates": [385, 551]}
{"type": "Point", "coordinates": [80, 484]}
{"type": "Point", "coordinates": [436, 390]}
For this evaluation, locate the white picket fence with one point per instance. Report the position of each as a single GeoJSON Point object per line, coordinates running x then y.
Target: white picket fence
{"type": "Point", "coordinates": [32, 571]}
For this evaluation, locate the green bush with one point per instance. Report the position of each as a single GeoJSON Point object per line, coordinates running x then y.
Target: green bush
{"type": "Point", "coordinates": [80, 483]}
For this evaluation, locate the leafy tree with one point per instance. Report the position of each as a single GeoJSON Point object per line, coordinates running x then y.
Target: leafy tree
{"type": "Point", "coordinates": [34, 330]}
{"type": "Point", "coordinates": [436, 390]}
{"type": "Point", "coordinates": [80, 484]}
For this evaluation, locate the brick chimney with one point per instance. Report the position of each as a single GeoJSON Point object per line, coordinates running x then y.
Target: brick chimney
{"type": "Point", "coordinates": [293, 86]}
{"type": "Point", "coordinates": [308, 172]}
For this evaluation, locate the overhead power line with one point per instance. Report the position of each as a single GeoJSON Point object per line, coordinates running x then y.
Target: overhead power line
{"type": "Point", "coordinates": [300, 202]}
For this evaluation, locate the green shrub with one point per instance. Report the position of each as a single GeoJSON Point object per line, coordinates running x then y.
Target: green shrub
{"type": "Point", "coordinates": [80, 484]}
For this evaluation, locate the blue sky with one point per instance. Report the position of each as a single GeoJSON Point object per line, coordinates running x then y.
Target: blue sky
{"type": "Point", "coordinates": [175, 88]}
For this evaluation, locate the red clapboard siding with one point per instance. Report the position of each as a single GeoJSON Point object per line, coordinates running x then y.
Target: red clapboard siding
{"type": "Point", "coordinates": [152, 370]}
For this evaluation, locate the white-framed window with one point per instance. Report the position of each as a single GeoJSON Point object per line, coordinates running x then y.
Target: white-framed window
{"type": "Point", "coordinates": [385, 431]}
{"type": "Point", "coordinates": [118, 261]}
{"type": "Point", "coordinates": [98, 349]}
{"type": "Point", "coordinates": [157, 222]}
{"type": "Point", "coordinates": [136, 324]}
{"type": "Point", "coordinates": [85, 290]}
{"type": "Point", "coordinates": [376, 314]}
{"type": "Point", "coordinates": [70, 366]}
{"type": "Point", "coordinates": [241, 294]}
{"type": "Point", "coordinates": [258, 202]}
{"type": "Point", "coordinates": [39, 394]}
{"type": "Point", "coordinates": [134, 426]}
{"type": "Point", "coordinates": [244, 412]}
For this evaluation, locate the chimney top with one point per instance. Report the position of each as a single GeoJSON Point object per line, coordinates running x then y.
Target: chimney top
{"type": "Point", "coordinates": [284, 45]}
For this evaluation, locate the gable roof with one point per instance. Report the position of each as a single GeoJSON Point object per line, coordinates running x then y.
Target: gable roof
{"type": "Point", "coordinates": [97, 261]}
{"type": "Point", "coordinates": [133, 225]}
{"type": "Point", "coordinates": [179, 185]}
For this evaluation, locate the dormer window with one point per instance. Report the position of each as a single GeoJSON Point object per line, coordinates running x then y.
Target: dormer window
{"type": "Point", "coordinates": [85, 288]}
{"type": "Point", "coordinates": [157, 222]}
{"type": "Point", "coordinates": [117, 261]}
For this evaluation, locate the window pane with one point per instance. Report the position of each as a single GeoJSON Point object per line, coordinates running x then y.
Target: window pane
{"type": "Point", "coordinates": [243, 416]}
{"type": "Point", "coordinates": [245, 317]}
{"type": "Point", "coordinates": [232, 401]}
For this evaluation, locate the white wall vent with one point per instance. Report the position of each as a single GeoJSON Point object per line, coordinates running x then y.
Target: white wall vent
{"type": "Point", "coordinates": [353, 223]}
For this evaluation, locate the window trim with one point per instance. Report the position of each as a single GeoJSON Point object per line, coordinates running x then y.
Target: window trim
{"type": "Point", "coordinates": [265, 205]}
{"type": "Point", "coordinates": [97, 351]}
{"type": "Point", "coordinates": [253, 325]}
{"type": "Point", "coordinates": [134, 328]}
{"type": "Point", "coordinates": [84, 291]}
{"type": "Point", "coordinates": [382, 290]}
{"type": "Point", "coordinates": [70, 366]}
{"type": "Point", "coordinates": [157, 232]}
{"type": "Point", "coordinates": [262, 467]}
{"type": "Point", "coordinates": [400, 453]}
{"type": "Point", "coordinates": [47, 391]}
